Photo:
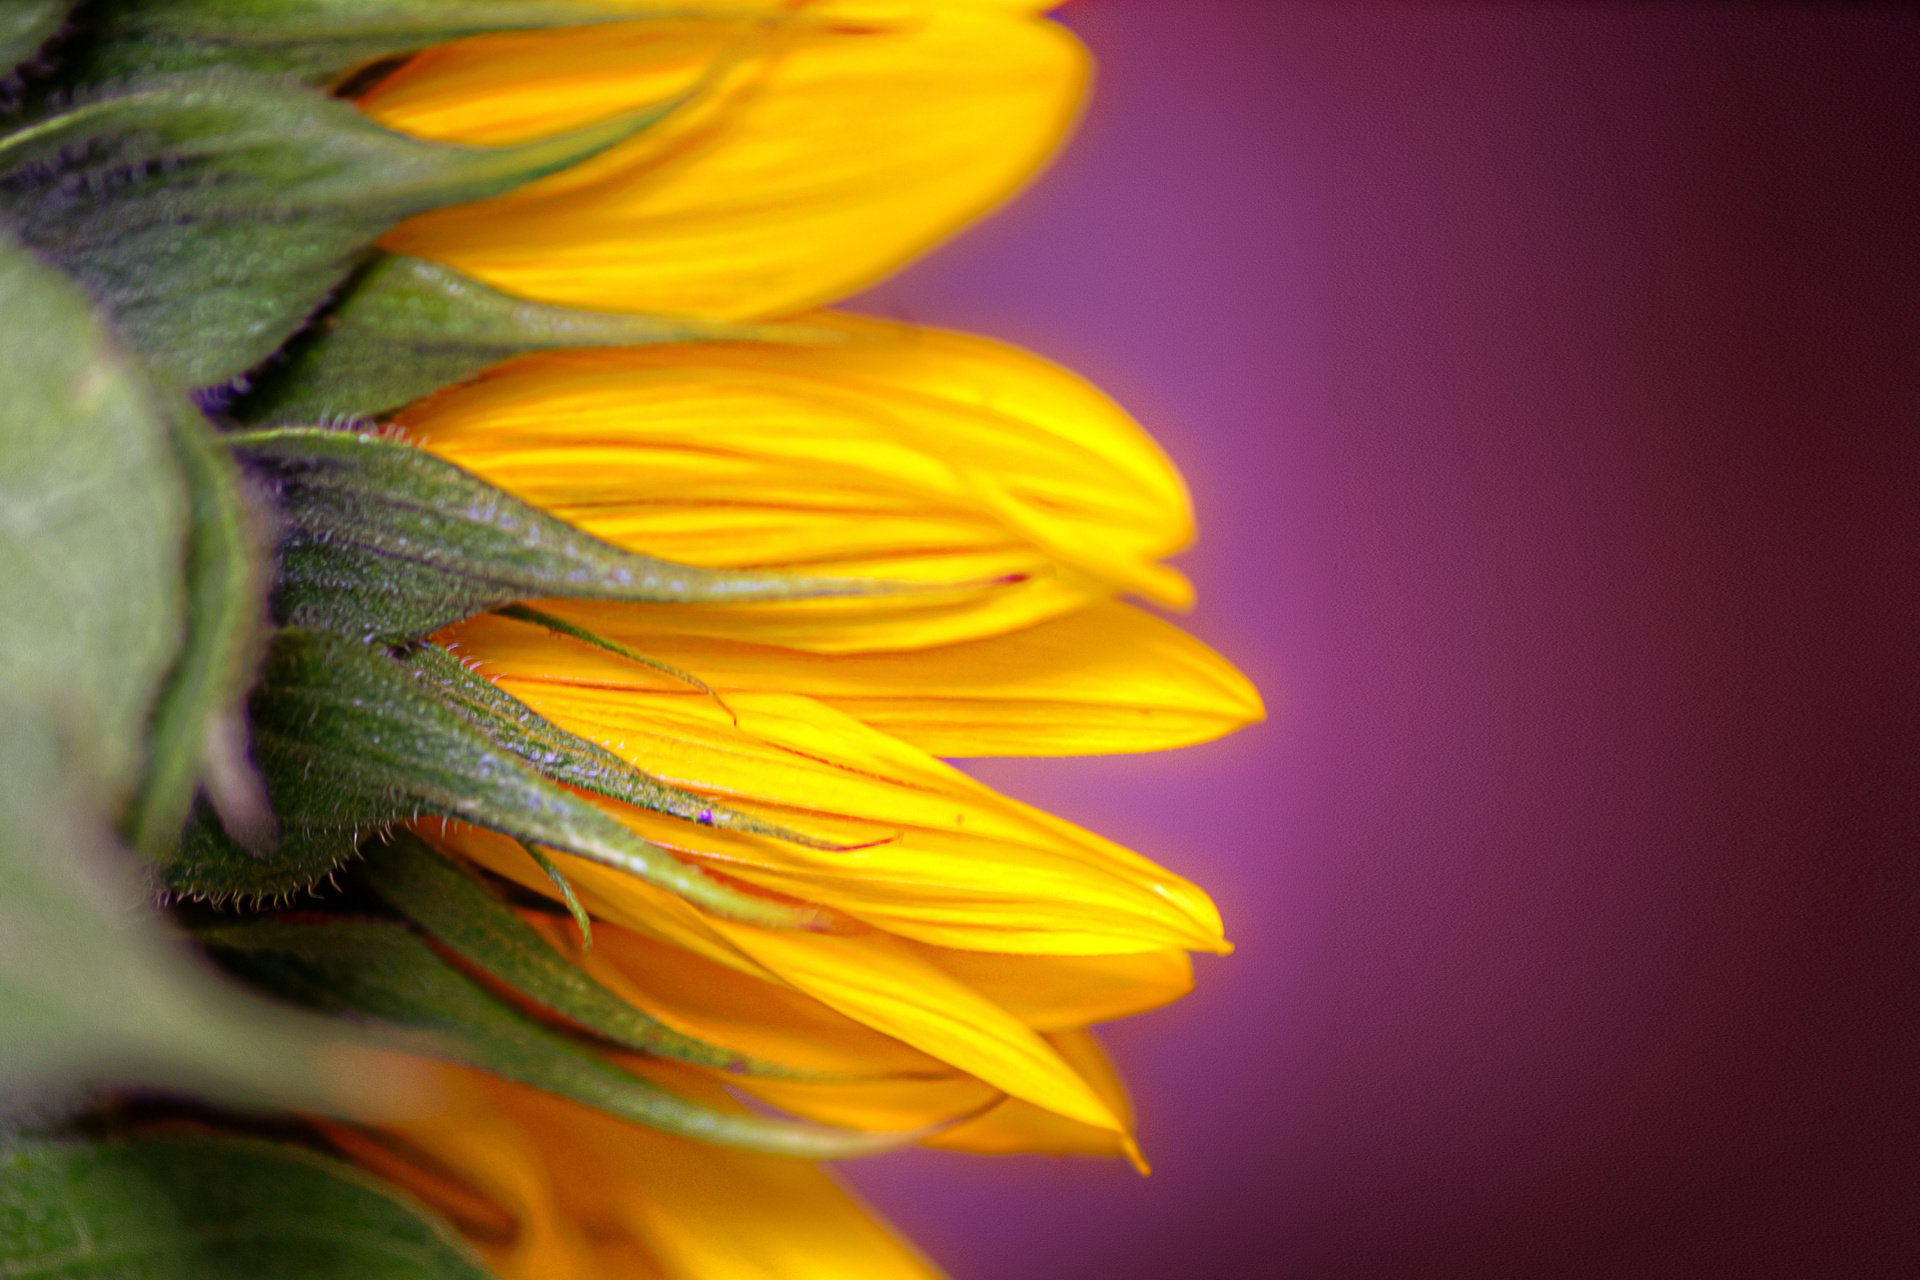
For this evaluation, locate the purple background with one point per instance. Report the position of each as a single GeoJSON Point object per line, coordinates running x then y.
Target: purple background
{"type": "Point", "coordinates": [1546, 378]}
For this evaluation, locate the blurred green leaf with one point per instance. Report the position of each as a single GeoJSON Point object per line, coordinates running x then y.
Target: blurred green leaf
{"type": "Point", "coordinates": [92, 989]}
{"type": "Point", "coordinates": [381, 970]}
{"type": "Point", "coordinates": [383, 539]}
{"type": "Point", "coordinates": [212, 214]}
{"type": "Point", "coordinates": [405, 327]}
{"type": "Point", "coordinates": [201, 1208]}
{"type": "Point", "coordinates": [25, 25]}
{"type": "Point", "coordinates": [93, 527]}
{"type": "Point", "coordinates": [94, 524]}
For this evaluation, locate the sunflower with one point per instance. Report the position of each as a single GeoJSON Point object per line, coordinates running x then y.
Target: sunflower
{"type": "Point", "coordinates": [629, 607]}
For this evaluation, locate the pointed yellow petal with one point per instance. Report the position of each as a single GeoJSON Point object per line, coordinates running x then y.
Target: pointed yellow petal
{"type": "Point", "coordinates": [1013, 490]}
{"type": "Point", "coordinates": [1107, 678]}
{"type": "Point", "coordinates": [1007, 1126]}
{"type": "Point", "coordinates": [1017, 1126]}
{"type": "Point", "coordinates": [865, 975]}
{"type": "Point", "coordinates": [826, 157]}
{"type": "Point", "coordinates": [925, 851]}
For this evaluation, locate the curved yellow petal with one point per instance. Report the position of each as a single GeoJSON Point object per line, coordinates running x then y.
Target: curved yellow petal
{"type": "Point", "coordinates": [614, 1199]}
{"type": "Point", "coordinates": [863, 974]}
{"type": "Point", "coordinates": [918, 848]}
{"type": "Point", "coordinates": [1011, 491]}
{"type": "Point", "coordinates": [824, 157]}
{"type": "Point", "coordinates": [1107, 678]}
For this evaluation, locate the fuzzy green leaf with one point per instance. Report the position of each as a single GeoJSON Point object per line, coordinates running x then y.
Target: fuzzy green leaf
{"type": "Point", "coordinates": [319, 39]}
{"type": "Point", "coordinates": [380, 970]}
{"type": "Point", "coordinates": [212, 214]}
{"type": "Point", "coordinates": [469, 919]}
{"type": "Point", "coordinates": [25, 25]}
{"type": "Point", "coordinates": [350, 742]}
{"type": "Point", "coordinates": [202, 1208]}
{"type": "Point", "coordinates": [406, 327]}
{"type": "Point", "coordinates": [384, 539]}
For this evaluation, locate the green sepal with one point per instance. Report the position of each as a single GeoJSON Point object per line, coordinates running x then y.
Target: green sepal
{"type": "Point", "coordinates": [459, 911]}
{"type": "Point", "coordinates": [199, 733]}
{"type": "Point", "coordinates": [380, 970]}
{"type": "Point", "coordinates": [319, 39]}
{"type": "Point", "coordinates": [568, 758]}
{"type": "Point", "coordinates": [212, 214]}
{"type": "Point", "coordinates": [383, 539]}
{"type": "Point", "coordinates": [206, 1208]}
{"type": "Point", "coordinates": [406, 327]}
{"type": "Point", "coordinates": [26, 25]}
{"type": "Point", "coordinates": [350, 742]}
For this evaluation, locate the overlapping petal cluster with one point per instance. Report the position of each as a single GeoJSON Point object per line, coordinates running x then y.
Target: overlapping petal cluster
{"type": "Point", "coordinates": [1007, 508]}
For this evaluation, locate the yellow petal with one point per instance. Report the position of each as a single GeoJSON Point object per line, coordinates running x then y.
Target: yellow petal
{"type": "Point", "coordinates": [866, 975]}
{"type": "Point", "coordinates": [619, 1200]}
{"type": "Point", "coordinates": [1011, 489]}
{"type": "Point", "coordinates": [925, 851]}
{"type": "Point", "coordinates": [1107, 678]}
{"type": "Point", "coordinates": [1005, 1127]}
{"type": "Point", "coordinates": [1017, 1126]}
{"type": "Point", "coordinates": [1063, 993]}
{"type": "Point", "coordinates": [827, 158]}
{"type": "Point", "coordinates": [738, 1009]}
{"type": "Point", "coordinates": [473, 1162]}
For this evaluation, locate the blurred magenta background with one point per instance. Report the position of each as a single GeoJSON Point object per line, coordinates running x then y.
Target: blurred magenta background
{"type": "Point", "coordinates": [1548, 379]}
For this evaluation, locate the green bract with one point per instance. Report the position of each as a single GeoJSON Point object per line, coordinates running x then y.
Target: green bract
{"type": "Point", "coordinates": [211, 214]}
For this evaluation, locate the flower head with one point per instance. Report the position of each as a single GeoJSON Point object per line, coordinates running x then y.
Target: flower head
{"type": "Point", "coordinates": [655, 599]}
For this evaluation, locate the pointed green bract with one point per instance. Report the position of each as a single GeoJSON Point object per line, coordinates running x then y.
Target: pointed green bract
{"type": "Point", "coordinates": [465, 916]}
{"type": "Point", "coordinates": [350, 742]}
{"type": "Point", "coordinates": [320, 39]}
{"type": "Point", "coordinates": [213, 867]}
{"type": "Point", "coordinates": [212, 214]}
{"type": "Point", "coordinates": [568, 758]}
{"type": "Point", "coordinates": [202, 1208]}
{"type": "Point", "coordinates": [384, 539]}
{"type": "Point", "coordinates": [380, 970]}
{"type": "Point", "coordinates": [405, 327]}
